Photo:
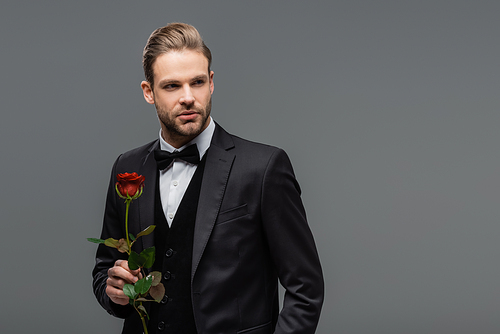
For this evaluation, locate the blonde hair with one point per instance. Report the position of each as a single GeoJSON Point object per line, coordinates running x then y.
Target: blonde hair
{"type": "Point", "coordinates": [173, 37]}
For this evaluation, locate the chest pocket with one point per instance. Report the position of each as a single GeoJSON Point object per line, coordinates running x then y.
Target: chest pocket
{"type": "Point", "coordinates": [229, 215]}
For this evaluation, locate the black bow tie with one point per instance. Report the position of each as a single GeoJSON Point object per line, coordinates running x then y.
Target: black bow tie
{"type": "Point", "coordinates": [189, 154]}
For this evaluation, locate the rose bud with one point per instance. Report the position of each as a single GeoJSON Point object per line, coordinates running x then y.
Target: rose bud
{"type": "Point", "coordinates": [129, 185]}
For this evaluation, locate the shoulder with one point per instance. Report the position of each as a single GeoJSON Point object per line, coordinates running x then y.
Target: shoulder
{"type": "Point", "coordinates": [136, 156]}
{"type": "Point", "coordinates": [242, 146]}
{"type": "Point", "coordinates": [250, 154]}
{"type": "Point", "coordinates": [252, 146]}
{"type": "Point", "coordinates": [141, 150]}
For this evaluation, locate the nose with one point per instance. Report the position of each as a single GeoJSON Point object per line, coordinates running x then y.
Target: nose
{"type": "Point", "coordinates": [187, 97]}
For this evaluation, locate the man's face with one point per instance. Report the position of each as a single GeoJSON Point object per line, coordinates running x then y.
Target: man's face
{"type": "Point", "coordinates": [182, 95]}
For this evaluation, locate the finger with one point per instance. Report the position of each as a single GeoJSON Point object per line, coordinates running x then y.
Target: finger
{"type": "Point", "coordinates": [117, 295]}
{"type": "Point", "coordinates": [114, 289]}
{"type": "Point", "coordinates": [124, 264]}
{"type": "Point", "coordinates": [122, 273]}
{"type": "Point", "coordinates": [115, 282]}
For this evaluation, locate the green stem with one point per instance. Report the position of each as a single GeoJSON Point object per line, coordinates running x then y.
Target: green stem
{"type": "Point", "coordinates": [144, 325]}
{"type": "Point", "coordinates": [126, 225]}
{"type": "Point", "coordinates": [142, 318]}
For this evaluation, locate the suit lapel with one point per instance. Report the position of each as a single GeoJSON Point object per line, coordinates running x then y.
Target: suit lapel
{"type": "Point", "coordinates": [147, 199]}
{"type": "Point", "coordinates": [215, 176]}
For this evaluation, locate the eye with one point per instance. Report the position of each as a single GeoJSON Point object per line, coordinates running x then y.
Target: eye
{"type": "Point", "coordinates": [199, 82]}
{"type": "Point", "coordinates": [170, 86]}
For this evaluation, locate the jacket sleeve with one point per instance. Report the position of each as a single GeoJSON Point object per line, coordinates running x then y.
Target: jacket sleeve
{"type": "Point", "coordinates": [292, 248]}
{"type": "Point", "coordinates": [113, 227]}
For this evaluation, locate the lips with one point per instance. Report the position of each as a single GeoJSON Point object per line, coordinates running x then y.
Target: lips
{"type": "Point", "coordinates": [188, 115]}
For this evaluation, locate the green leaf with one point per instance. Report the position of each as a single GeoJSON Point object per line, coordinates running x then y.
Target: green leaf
{"type": "Point", "coordinates": [149, 257]}
{"type": "Point", "coordinates": [146, 231]}
{"type": "Point", "coordinates": [131, 236]}
{"type": "Point", "coordinates": [145, 259]}
{"type": "Point", "coordinates": [156, 277]}
{"type": "Point", "coordinates": [110, 242]}
{"type": "Point", "coordinates": [129, 291]}
{"type": "Point", "coordinates": [142, 286]}
{"type": "Point", "coordinates": [135, 261]}
{"type": "Point", "coordinates": [121, 244]}
{"type": "Point", "coordinates": [143, 311]}
{"type": "Point", "coordinates": [157, 292]}
{"type": "Point", "coordinates": [97, 241]}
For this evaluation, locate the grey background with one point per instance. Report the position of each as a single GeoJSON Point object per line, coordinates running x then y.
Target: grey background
{"type": "Point", "coordinates": [388, 110]}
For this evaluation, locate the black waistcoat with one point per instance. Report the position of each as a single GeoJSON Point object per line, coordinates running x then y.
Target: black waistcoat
{"type": "Point", "coordinates": [174, 253]}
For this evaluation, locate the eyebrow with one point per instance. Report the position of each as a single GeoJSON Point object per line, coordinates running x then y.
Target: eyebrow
{"type": "Point", "coordinates": [167, 81]}
{"type": "Point", "coordinates": [172, 81]}
{"type": "Point", "coordinates": [198, 77]}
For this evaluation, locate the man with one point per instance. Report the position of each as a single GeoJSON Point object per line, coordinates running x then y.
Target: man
{"type": "Point", "coordinates": [228, 227]}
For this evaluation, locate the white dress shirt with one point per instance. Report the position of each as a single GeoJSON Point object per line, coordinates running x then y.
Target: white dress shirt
{"type": "Point", "coordinates": [175, 179]}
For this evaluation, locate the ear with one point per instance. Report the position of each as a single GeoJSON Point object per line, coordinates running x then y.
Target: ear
{"type": "Point", "coordinates": [148, 92]}
{"type": "Point", "coordinates": [211, 82]}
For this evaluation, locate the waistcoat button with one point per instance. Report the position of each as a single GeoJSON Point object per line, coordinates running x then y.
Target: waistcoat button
{"type": "Point", "coordinates": [164, 299]}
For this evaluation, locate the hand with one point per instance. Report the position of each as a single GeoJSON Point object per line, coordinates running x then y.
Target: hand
{"type": "Point", "coordinates": [119, 275]}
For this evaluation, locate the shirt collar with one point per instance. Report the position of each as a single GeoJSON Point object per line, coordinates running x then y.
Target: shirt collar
{"type": "Point", "coordinates": [202, 141]}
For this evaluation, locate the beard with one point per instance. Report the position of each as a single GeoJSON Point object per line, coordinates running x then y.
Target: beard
{"type": "Point", "coordinates": [190, 129]}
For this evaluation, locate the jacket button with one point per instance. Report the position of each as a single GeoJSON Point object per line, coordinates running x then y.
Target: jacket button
{"type": "Point", "coordinates": [164, 299]}
{"type": "Point", "coordinates": [161, 325]}
{"type": "Point", "coordinates": [167, 276]}
{"type": "Point", "coordinates": [169, 252]}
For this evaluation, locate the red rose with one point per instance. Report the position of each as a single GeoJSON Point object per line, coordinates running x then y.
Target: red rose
{"type": "Point", "coordinates": [129, 184]}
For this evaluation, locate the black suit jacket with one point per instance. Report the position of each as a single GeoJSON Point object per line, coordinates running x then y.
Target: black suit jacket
{"type": "Point", "coordinates": [250, 231]}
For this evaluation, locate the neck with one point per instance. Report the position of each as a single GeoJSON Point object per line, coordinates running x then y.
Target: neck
{"type": "Point", "coordinates": [176, 141]}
